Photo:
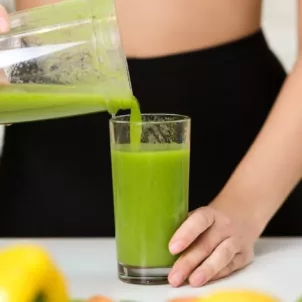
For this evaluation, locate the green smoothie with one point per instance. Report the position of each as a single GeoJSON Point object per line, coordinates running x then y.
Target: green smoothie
{"type": "Point", "coordinates": [27, 102]}
{"type": "Point", "coordinates": [150, 200]}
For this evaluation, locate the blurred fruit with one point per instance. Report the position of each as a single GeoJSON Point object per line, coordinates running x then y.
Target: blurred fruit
{"type": "Point", "coordinates": [188, 299]}
{"type": "Point", "coordinates": [27, 273]}
{"type": "Point", "coordinates": [99, 299]}
{"type": "Point", "coordinates": [240, 296]}
{"type": "Point", "coordinates": [230, 296]}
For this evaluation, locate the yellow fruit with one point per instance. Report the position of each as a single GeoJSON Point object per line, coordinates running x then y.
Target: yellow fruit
{"type": "Point", "coordinates": [240, 296]}
{"type": "Point", "coordinates": [187, 299]}
{"type": "Point", "coordinates": [27, 273]}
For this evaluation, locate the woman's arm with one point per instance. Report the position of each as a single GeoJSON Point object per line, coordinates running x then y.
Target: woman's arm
{"type": "Point", "coordinates": [219, 239]}
{"type": "Point", "coordinates": [4, 23]}
{"type": "Point", "coordinates": [273, 165]}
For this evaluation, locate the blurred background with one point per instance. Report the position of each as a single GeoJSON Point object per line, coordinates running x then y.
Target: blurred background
{"type": "Point", "coordinates": [279, 23]}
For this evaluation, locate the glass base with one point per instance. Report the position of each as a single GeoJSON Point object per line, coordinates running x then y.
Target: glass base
{"type": "Point", "coordinates": [143, 275]}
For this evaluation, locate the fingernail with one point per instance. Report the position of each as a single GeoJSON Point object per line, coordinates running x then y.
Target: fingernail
{"type": "Point", "coordinates": [176, 279]}
{"type": "Point", "coordinates": [198, 279]}
{"type": "Point", "coordinates": [176, 247]}
{"type": "Point", "coordinates": [3, 25]}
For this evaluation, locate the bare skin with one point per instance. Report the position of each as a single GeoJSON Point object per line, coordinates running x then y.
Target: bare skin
{"type": "Point", "coordinates": [219, 239]}
{"type": "Point", "coordinates": [156, 27]}
{"type": "Point", "coordinates": [4, 27]}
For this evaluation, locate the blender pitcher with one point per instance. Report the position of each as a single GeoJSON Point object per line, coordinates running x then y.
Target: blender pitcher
{"type": "Point", "coordinates": [63, 59]}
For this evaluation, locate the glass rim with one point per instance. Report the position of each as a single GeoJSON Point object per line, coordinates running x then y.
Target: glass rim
{"type": "Point", "coordinates": [179, 118]}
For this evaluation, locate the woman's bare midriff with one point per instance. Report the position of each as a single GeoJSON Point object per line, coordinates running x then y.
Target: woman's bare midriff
{"type": "Point", "coordinates": [161, 27]}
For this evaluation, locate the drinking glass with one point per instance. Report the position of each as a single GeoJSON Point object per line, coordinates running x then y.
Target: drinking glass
{"type": "Point", "coordinates": [63, 59]}
{"type": "Point", "coordinates": [150, 185]}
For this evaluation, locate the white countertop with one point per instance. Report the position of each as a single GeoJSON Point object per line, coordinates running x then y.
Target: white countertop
{"type": "Point", "coordinates": [90, 267]}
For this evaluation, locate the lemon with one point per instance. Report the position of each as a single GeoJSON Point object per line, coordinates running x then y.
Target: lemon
{"type": "Point", "coordinates": [240, 296]}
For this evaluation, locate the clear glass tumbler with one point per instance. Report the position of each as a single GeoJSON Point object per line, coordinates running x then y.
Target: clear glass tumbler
{"type": "Point", "coordinates": [63, 59]}
{"type": "Point", "coordinates": [150, 185]}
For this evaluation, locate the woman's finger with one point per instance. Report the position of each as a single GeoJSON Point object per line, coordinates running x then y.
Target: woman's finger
{"type": "Point", "coordinates": [220, 258]}
{"type": "Point", "coordinates": [3, 78]}
{"type": "Point", "coordinates": [186, 263]}
{"type": "Point", "coordinates": [4, 27]}
{"type": "Point", "coordinates": [4, 20]}
{"type": "Point", "coordinates": [193, 256]}
{"type": "Point", "coordinates": [196, 224]}
{"type": "Point", "coordinates": [240, 261]}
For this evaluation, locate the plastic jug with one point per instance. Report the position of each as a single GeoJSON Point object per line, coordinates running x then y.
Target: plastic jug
{"type": "Point", "coordinates": [63, 59]}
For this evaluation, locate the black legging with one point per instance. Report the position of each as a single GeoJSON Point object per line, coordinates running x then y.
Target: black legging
{"type": "Point", "coordinates": [55, 176]}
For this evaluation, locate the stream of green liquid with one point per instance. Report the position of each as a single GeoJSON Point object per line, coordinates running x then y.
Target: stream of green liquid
{"type": "Point", "coordinates": [135, 125]}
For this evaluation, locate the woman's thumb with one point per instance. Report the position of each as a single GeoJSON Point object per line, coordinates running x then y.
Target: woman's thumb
{"type": "Point", "coordinates": [4, 20]}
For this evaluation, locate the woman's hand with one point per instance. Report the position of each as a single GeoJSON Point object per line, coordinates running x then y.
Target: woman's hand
{"type": "Point", "coordinates": [4, 20]}
{"type": "Point", "coordinates": [4, 27]}
{"type": "Point", "coordinates": [214, 245]}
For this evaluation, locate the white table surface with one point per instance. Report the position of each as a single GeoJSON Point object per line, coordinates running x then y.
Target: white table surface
{"type": "Point", "coordinates": [90, 267]}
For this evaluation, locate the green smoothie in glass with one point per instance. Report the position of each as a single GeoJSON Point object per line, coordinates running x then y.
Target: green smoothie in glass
{"type": "Point", "coordinates": [150, 186]}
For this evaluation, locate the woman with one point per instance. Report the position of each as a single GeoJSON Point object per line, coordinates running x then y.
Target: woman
{"type": "Point", "coordinates": [209, 60]}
